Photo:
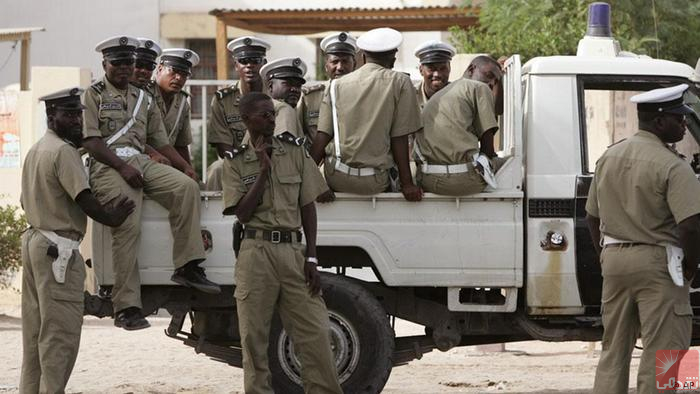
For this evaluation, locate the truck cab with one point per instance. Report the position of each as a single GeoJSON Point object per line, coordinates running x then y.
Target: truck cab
{"type": "Point", "coordinates": [515, 263]}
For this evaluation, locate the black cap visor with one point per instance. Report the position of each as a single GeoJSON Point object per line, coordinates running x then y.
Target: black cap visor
{"type": "Point", "coordinates": [340, 48]}
{"type": "Point", "coordinates": [249, 51]}
{"type": "Point", "coordinates": [675, 106]}
{"type": "Point", "coordinates": [177, 63]}
{"type": "Point", "coordinates": [435, 57]}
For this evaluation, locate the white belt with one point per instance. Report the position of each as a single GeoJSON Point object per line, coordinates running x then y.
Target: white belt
{"type": "Point", "coordinates": [608, 240]}
{"type": "Point", "coordinates": [126, 151]}
{"type": "Point", "coordinates": [65, 248]}
{"type": "Point", "coordinates": [344, 168]}
{"type": "Point", "coordinates": [674, 258]}
{"type": "Point", "coordinates": [444, 169]}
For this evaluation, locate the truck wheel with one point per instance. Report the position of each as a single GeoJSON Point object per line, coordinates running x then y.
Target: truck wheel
{"type": "Point", "coordinates": [361, 338]}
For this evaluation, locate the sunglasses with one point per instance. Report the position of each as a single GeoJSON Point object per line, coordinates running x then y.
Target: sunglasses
{"type": "Point", "coordinates": [178, 72]}
{"type": "Point", "coordinates": [121, 62]}
{"type": "Point", "coordinates": [145, 65]}
{"type": "Point", "coordinates": [250, 60]}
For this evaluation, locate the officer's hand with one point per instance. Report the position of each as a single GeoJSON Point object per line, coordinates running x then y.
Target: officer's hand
{"type": "Point", "coordinates": [189, 171]}
{"type": "Point", "coordinates": [262, 150]}
{"type": "Point", "coordinates": [158, 158]}
{"type": "Point", "coordinates": [327, 196]}
{"type": "Point", "coordinates": [132, 176]}
{"type": "Point", "coordinates": [313, 278]}
{"type": "Point", "coordinates": [412, 192]}
{"type": "Point", "coordinates": [120, 210]}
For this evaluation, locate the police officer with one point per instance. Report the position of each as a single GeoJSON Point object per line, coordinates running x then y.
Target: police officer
{"type": "Point", "coordinates": [146, 54]}
{"type": "Point", "coordinates": [225, 130]}
{"type": "Point", "coordinates": [454, 151]}
{"type": "Point", "coordinates": [435, 57]}
{"type": "Point", "coordinates": [488, 70]}
{"type": "Point", "coordinates": [56, 198]}
{"type": "Point", "coordinates": [375, 109]}
{"type": "Point", "coordinates": [643, 208]}
{"type": "Point", "coordinates": [118, 124]}
{"type": "Point", "coordinates": [340, 50]}
{"type": "Point", "coordinates": [271, 186]}
{"type": "Point", "coordinates": [284, 79]}
{"type": "Point", "coordinates": [174, 68]}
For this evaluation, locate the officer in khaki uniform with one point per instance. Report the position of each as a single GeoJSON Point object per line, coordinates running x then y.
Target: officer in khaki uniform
{"type": "Point", "coordinates": [174, 69]}
{"type": "Point", "coordinates": [271, 186]}
{"type": "Point", "coordinates": [435, 57]}
{"type": "Point", "coordinates": [56, 198]}
{"type": "Point", "coordinates": [375, 110]}
{"type": "Point", "coordinates": [458, 128]}
{"type": "Point", "coordinates": [146, 54]}
{"type": "Point", "coordinates": [284, 78]}
{"type": "Point", "coordinates": [339, 50]}
{"type": "Point", "coordinates": [118, 125]}
{"type": "Point", "coordinates": [225, 130]}
{"type": "Point", "coordinates": [643, 207]}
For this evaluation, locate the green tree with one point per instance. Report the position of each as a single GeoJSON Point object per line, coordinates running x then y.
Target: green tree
{"type": "Point", "coordinates": [554, 27]}
{"type": "Point", "coordinates": [12, 224]}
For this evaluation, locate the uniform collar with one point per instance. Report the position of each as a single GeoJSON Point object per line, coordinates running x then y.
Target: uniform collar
{"type": "Point", "coordinates": [646, 135]}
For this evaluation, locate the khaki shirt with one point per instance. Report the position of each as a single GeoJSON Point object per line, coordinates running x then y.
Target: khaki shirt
{"type": "Point", "coordinates": [641, 190]}
{"type": "Point", "coordinates": [420, 95]}
{"type": "Point", "coordinates": [374, 105]}
{"type": "Point", "coordinates": [294, 181]}
{"type": "Point", "coordinates": [225, 124]}
{"type": "Point", "coordinates": [108, 109]}
{"type": "Point", "coordinates": [309, 106]}
{"type": "Point", "coordinates": [178, 128]}
{"type": "Point", "coordinates": [454, 119]}
{"type": "Point", "coordinates": [52, 177]}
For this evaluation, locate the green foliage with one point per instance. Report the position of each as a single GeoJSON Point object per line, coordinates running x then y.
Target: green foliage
{"type": "Point", "coordinates": [12, 223]}
{"type": "Point", "coordinates": [554, 27]}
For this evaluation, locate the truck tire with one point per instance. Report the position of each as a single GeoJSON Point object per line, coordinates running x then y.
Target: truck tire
{"type": "Point", "coordinates": [361, 338]}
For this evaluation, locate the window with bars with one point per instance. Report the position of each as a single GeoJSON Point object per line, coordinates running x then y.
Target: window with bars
{"type": "Point", "coordinates": [206, 49]}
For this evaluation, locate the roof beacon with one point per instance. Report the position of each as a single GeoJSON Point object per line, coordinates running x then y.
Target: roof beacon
{"type": "Point", "coordinates": [598, 41]}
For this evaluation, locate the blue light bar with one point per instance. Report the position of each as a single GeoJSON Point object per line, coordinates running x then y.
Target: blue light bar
{"type": "Point", "coordinates": [599, 20]}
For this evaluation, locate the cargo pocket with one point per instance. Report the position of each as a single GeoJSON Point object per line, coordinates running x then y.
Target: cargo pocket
{"type": "Point", "coordinates": [682, 310]}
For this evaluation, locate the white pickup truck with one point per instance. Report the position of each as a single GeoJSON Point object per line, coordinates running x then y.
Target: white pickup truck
{"type": "Point", "coordinates": [513, 264]}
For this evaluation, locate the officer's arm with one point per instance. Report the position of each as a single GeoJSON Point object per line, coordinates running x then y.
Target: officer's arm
{"type": "Point", "coordinates": [318, 148]}
{"type": "Point", "coordinates": [184, 153]}
{"type": "Point", "coordinates": [155, 156]}
{"type": "Point", "coordinates": [594, 229]}
{"type": "Point", "coordinates": [486, 143]}
{"type": "Point", "coordinates": [112, 215]}
{"type": "Point", "coordinates": [177, 160]}
{"type": "Point", "coordinates": [399, 149]}
{"type": "Point", "coordinates": [690, 242]}
{"type": "Point", "coordinates": [246, 207]}
{"type": "Point", "coordinates": [308, 221]}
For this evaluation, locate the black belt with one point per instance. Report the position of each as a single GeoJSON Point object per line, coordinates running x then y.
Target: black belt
{"type": "Point", "coordinates": [275, 236]}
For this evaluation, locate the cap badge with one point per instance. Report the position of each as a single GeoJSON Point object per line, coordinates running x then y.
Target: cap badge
{"type": "Point", "coordinates": [123, 41]}
{"type": "Point", "coordinates": [342, 37]}
{"type": "Point", "coordinates": [187, 55]}
{"type": "Point", "coordinates": [248, 41]}
{"type": "Point", "coordinates": [148, 44]}
{"type": "Point", "coordinates": [296, 62]}
{"type": "Point", "coordinates": [74, 91]}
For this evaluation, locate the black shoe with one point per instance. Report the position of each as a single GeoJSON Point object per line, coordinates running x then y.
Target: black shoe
{"type": "Point", "coordinates": [192, 275]}
{"type": "Point", "coordinates": [131, 319]}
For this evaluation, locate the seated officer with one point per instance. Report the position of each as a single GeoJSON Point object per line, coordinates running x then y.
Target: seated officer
{"type": "Point", "coordinates": [454, 150]}
{"type": "Point", "coordinates": [118, 122]}
{"type": "Point", "coordinates": [225, 130]}
{"type": "Point", "coordinates": [284, 78]}
{"type": "Point", "coordinates": [146, 54]}
{"type": "Point", "coordinates": [171, 75]}
{"type": "Point", "coordinates": [488, 70]}
{"type": "Point", "coordinates": [369, 115]}
{"type": "Point", "coordinates": [339, 50]}
{"type": "Point", "coordinates": [435, 57]}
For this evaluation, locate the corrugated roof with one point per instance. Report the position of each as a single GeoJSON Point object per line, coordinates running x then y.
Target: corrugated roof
{"type": "Point", "coordinates": [251, 12]}
{"type": "Point", "coordinates": [17, 33]}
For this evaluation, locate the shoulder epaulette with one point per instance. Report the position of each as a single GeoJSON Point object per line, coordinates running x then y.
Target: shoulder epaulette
{"type": "Point", "coordinates": [236, 151]}
{"type": "Point", "coordinates": [221, 93]}
{"type": "Point", "coordinates": [312, 88]}
{"type": "Point", "coordinates": [291, 139]}
{"type": "Point", "coordinates": [150, 87]}
{"type": "Point", "coordinates": [98, 86]}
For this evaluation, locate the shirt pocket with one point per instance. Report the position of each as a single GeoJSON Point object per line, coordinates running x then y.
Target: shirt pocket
{"type": "Point", "coordinates": [111, 120]}
{"type": "Point", "coordinates": [290, 186]}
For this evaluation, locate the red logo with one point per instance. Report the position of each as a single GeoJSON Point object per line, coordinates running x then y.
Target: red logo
{"type": "Point", "coordinates": [677, 369]}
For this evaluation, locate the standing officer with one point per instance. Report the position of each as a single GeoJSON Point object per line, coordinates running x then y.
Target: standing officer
{"type": "Point", "coordinates": [146, 54]}
{"type": "Point", "coordinates": [454, 150]}
{"type": "Point", "coordinates": [271, 186]}
{"type": "Point", "coordinates": [435, 57]}
{"type": "Point", "coordinates": [284, 79]}
{"type": "Point", "coordinates": [340, 50]}
{"type": "Point", "coordinates": [56, 198]}
{"type": "Point", "coordinates": [225, 130]}
{"type": "Point", "coordinates": [643, 208]}
{"type": "Point", "coordinates": [171, 75]}
{"type": "Point", "coordinates": [375, 110]}
{"type": "Point", "coordinates": [118, 124]}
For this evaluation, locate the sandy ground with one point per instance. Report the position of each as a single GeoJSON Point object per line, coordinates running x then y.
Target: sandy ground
{"type": "Point", "coordinates": [112, 360]}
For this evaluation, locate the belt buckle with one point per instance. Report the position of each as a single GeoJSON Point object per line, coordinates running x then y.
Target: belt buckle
{"type": "Point", "coordinates": [275, 236]}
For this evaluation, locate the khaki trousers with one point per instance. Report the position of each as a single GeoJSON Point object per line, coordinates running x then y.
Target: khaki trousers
{"type": "Point", "coordinates": [214, 174]}
{"type": "Point", "coordinates": [639, 298]}
{"type": "Point", "coordinates": [364, 185]}
{"type": "Point", "coordinates": [173, 190]}
{"type": "Point", "coordinates": [268, 277]}
{"type": "Point", "coordinates": [461, 184]}
{"type": "Point", "coordinates": [52, 316]}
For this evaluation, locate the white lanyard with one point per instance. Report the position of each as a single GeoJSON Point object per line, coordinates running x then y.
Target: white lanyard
{"type": "Point", "coordinates": [128, 124]}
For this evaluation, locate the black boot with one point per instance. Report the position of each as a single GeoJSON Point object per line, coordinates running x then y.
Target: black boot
{"type": "Point", "coordinates": [131, 319]}
{"type": "Point", "coordinates": [192, 275]}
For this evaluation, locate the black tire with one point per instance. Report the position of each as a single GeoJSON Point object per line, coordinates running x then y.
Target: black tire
{"type": "Point", "coordinates": [360, 331]}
